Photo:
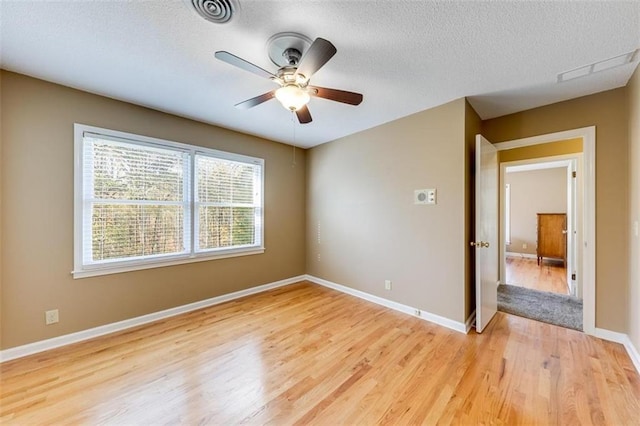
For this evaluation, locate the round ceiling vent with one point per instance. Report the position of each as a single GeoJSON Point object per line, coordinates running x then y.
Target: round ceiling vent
{"type": "Point", "coordinates": [218, 11]}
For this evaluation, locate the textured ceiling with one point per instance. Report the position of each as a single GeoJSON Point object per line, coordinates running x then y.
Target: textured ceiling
{"type": "Point", "coordinates": [404, 56]}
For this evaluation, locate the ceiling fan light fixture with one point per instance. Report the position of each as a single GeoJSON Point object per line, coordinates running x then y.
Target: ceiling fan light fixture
{"type": "Point", "coordinates": [292, 97]}
{"type": "Point", "coordinates": [293, 76]}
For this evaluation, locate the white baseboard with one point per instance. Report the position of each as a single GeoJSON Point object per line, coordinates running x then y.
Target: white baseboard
{"type": "Point", "coordinates": [418, 313]}
{"type": "Point", "coordinates": [623, 339]}
{"type": "Point", "coordinates": [633, 353]}
{"type": "Point", "coordinates": [612, 336]}
{"type": "Point", "coordinates": [516, 254]}
{"type": "Point", "coordinates": [531, 256]}
{"type": "Point", "coordinates": [67, 339]}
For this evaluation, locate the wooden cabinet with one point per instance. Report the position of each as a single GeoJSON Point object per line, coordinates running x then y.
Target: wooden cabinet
{"type": "Point", "coordinates": [552, 236]}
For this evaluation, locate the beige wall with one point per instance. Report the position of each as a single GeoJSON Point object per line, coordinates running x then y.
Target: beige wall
{"type": "Point", "coordinates": [608, 112]}
{"type": "Point", "coordinates": [1, 203]}
{"type": "Point", "coordinates": [37, 215]}
{"type": "Point", "coordinates": [634, 197]}
{"type": "Point", "coordinates": [533, 192]}
{"type": "Point", "coordinates": [360, 201]}
{"type": "Point", "coordinates": [359, 189]}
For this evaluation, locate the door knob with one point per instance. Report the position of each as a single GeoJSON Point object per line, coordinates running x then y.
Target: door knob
{"type": "Point", "coordinates": [564, 231]}
{"type": "Point", "coordinates": [479, 244]}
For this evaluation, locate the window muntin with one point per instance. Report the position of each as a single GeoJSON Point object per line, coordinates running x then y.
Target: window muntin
{"type": "Point", "coordinates": [143, 202]}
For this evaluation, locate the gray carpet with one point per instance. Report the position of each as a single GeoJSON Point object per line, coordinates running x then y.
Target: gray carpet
{"type": "Point", "coordinates": [552, 308]}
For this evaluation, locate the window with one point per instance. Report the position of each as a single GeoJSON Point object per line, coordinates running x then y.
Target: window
{"type": "Point", "coordinates": [142, 202]}
{"type": "Point", "coordinates": [507, 214]}
{"type": "Point", "coordinates": [227, 205]}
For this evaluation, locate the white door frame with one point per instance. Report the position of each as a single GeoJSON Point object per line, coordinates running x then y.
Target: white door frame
{"type": "Point", "coordinates": [588, 244]}
{"type": "Point", "coordinates": [575, 226]}
{"type": "Point", "coordinates": [570, 162]}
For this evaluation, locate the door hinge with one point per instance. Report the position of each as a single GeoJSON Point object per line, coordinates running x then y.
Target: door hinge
{"type": "Point", "coordinates": [574, 174]}
{"type": "Point", "coordinates": [573, 277]}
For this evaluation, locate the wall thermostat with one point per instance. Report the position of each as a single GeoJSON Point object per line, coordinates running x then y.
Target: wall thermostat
{"type": "Point", "coordinates": [424, 196]}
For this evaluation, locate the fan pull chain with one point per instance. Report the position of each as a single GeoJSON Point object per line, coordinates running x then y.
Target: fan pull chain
{"type": "Point", "coordinates": [293, 124]}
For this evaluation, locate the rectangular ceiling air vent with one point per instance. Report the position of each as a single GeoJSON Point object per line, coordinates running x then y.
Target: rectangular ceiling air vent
{"type": "Point", "coordinates": [595, 67]}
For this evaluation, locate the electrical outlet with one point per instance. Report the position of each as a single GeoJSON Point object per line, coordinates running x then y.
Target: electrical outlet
{"type": "Point", "coordinates": [418, 313]}
{"type": "Point", "coordinates": [524, 246]}
{"type": "Point", "coordinates": [387, 284]}
{"type": "Point", "coordinates": [51, 317]}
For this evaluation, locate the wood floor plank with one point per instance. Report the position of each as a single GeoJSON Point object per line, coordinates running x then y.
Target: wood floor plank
{"type": "Point", "coordinates": [548, 276]}
{"type": "Point", "coordinates": [305, 354]}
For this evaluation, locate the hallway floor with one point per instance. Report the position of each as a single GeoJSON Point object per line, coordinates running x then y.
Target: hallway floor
{"type": "Point", "coordinates": [549, 276]}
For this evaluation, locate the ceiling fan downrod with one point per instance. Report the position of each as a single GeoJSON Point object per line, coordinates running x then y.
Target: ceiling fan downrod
{"type": "Point", "coordinates": [292, 56]}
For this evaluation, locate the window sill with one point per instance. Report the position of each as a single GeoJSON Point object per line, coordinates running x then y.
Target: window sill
{"type": "Point", "coordinates": [108, 270]}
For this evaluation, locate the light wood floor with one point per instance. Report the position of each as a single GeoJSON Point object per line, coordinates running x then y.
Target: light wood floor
{"type": "Point", "coordinates": [548, 276]}
{"type": "Point", "coordinates": [304, 354]}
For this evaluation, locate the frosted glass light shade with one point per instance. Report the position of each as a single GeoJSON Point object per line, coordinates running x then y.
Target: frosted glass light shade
{"type": "Point", "coordinates": [292, 97]}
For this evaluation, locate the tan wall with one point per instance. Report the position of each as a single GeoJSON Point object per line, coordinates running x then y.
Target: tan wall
{"type": "Point", "coordinates": [360, 193]}
{"type": "Point", "coordinates": [533, 192]}
{"type": "Point", "coordinates": [634, 198]}
{"type": "Point", "coordinates": [359, 189]}
{"type": "Point", "coordinates": [37, 215]}
{"type": "Point", "coordinates": [569, 146]}
{"type": "Point", "coordinates": [1, 202]}
{"type": "Point", "coordinates": [608, 112]}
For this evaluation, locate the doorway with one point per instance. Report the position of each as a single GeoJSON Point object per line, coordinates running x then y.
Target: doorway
{"type": "Point", "coordinates": [540, 229]}
{"type": "Point", "coordinates": [540, 225]}
{"type": "Point", "coordinates": [580, 214]}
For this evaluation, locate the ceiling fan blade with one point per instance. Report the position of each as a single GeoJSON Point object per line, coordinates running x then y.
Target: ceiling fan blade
{"type": "Point", "coordinates": [241, 63]}
{"type": "Point", "coordinates": [250, 103]}
{"type": "Point", "coordinates": [316, 56]}
{"type": "Point", "coordinates": [303, 114]}
{"type": "Point", "coordinates": [343, 96]}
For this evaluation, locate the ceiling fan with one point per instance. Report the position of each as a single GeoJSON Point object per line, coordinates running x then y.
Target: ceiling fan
{"type": "Point", "coordinates": [294, 74]}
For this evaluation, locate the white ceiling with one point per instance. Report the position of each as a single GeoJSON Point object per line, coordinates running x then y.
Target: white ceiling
{"type": "Point", "coordinates": [404, 56]}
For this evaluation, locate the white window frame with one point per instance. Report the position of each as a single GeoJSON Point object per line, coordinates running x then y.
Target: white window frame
{"type": "Point", "coordinates": [82, 269]}
{"type": "Point", "coordinates": [507, 213]}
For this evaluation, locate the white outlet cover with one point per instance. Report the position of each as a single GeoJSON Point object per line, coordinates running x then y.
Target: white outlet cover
{"type": "Point", "coordinates": [51, 317]}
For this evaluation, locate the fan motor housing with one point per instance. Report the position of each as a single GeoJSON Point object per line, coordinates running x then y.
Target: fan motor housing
{"type": "Point", "coordinates": [287, 75]}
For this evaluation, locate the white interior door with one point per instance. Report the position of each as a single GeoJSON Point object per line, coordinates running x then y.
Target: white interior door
{"type": "Point", "coordinates": [571, 227]}
{"type": "Point", "coordinates": [486, 223]}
